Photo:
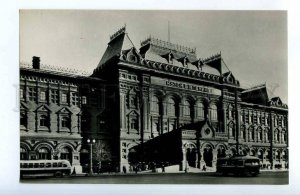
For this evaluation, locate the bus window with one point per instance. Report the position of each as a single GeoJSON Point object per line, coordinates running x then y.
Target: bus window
{"type": "Point", "coordinates": [21, 165]}
{"type": "Point", "coordinates": [42, 165]}
{"type": "Point", "coordinates": [59, 164]}
{"type": "Point", "coordinates": [25, 165]}
{"type": "Point", "coordinates": [48, 164]}
{"type": "Point", "coordinates": [30, 165]}
{"type": "Point", "coordinates": [65, 165]}
{"type": "Point", "coordinates": [36, 165]}
{"type": "Point", "coordinates": [54, 164]}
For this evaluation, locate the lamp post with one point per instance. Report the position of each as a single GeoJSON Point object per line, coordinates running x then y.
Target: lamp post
{"type": "Point", "coordinates": [91, 142]}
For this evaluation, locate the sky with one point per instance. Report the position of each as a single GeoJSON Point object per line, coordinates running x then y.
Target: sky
{"type": "Point", "coordinates": [253, 43]}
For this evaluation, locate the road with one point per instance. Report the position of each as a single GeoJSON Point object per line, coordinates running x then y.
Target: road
{"type": "Point", "coordinates": [168, 178]}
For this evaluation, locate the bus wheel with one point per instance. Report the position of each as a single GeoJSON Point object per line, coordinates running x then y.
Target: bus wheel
{"type": "Point", "coordinates": [58, 174]}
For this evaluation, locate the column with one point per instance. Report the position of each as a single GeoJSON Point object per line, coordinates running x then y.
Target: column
{"type": "Point", "coordinates": [122, 111]}
{"type": "Point", "coordinates": [196, 159]}
{"type": "Point", "coordinates": [183, 162]}
{"type": "Point", "coordinates": [214, 160]}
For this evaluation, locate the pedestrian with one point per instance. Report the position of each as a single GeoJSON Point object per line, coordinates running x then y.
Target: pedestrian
{"type": "Point", "coordinates": [204, 168]}
{"type": "Point", "coordinates": [163, 168]}
{"type": "Point", "coordinates": [124, 169]}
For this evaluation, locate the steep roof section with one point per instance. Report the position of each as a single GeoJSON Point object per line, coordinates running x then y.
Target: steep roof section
{"type": "Point", "coordinates": [119, 42]}
{"type": "Point", "coordinates": [256, 95]}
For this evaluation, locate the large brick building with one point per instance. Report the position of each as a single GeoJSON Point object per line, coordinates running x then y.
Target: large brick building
{"type": "Point", "coordinates": [158, 103]}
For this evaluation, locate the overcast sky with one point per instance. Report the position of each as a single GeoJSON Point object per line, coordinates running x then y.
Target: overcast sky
{"type": "Point", "coordinates": [253, 43]}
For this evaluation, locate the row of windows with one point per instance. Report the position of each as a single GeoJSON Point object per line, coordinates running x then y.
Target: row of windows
{"type": "Point", "coordinates": [45, 154]}
{"type": "Point", "coordinates": [44, 121]}
{"type": "Point", "coordinates": [188, 108]}
{"type": "Point", "coordinates": [262, 136]}
{"type": "Point", "coordinates": [53, 95]}
{"type": "Point", "coordinates": [262, 119]}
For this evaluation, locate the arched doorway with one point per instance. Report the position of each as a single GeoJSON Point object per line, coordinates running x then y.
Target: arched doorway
{"type": "Point", "coordinates": [44, 154]}
{"type": "Point", "coordinates": [66, 154]}
{"type": "Point", "coordinates": [191, 156]}
{"type": "Point", "coordinates": [23, 154]}
{"type": "Point", "coordinates": [208, 156]}
{"type": "Point", "coordinates": [221, 152]}
{"type": "Point", "coordinates": [132, 156]}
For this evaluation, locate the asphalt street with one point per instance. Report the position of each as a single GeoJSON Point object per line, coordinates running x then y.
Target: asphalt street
{"type": "Point", "coordinates": [269, 178]}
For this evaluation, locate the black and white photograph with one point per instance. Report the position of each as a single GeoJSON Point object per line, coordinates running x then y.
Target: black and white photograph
{"type": "Point", "coordinates": [153, 97]}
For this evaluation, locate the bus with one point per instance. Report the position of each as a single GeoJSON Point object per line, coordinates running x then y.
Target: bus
{"type": "Point", "coordinates": [57, 168]}
{"type": "Point", "coordinates": [239, 165]}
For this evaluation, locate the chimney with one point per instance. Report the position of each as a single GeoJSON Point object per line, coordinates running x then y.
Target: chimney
{"type": "Point", "coordinates": [36, 62]}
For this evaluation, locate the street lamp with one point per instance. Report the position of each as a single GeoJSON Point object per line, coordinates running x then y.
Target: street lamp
{"type": "Point", "coordinates": [91, 142]}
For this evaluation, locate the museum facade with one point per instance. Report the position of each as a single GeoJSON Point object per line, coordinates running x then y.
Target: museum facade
{"type": "Point", "coordinates": [158, 104]}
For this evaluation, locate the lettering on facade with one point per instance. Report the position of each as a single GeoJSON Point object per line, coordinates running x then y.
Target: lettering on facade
{"type": "Point", "coordinates": [183, 85]}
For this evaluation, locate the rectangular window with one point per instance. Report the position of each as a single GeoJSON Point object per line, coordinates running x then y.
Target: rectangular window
{"type": "Point", "coordinates": [32, 93]}
{"type": "Point", "coordinates": [54, 96]}
{"type": "Point", "coordinates": [43, 96]}
{"type": "Point", "coordinates": [64, 98]}
{"type": "Point", "coordinates": [74, 98]}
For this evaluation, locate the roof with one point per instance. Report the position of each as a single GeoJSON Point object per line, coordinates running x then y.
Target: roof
{"type": "Point", "coordinates": [52, 71]}
{"type": "Point", "coordinates": [119, 42]}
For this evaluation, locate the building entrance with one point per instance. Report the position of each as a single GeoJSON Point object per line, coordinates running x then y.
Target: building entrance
{"type": "Point", "coordinates": [208, 156]}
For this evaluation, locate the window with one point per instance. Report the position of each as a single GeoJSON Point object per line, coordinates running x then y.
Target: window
{"type": "Point", "coordinates": [23, 154]}
{"type": "Point", "coordinates": [187, 108]}
{"type": "Point", "coordinates": [258, 119]}
{"type": "Point", "coordinates": [64, 98]}
{"type": "Point", "coordinates": [275, 121]}
{"type": "Point", "coordinates": [84, 100]}
{"type": "Point", "coordinates": [134, 124]}
{"type": "Point", "coordinates": [43, 96]}
{"type": "Point", "coordinates": [65, 154]}
{"type": "Point", "coordinates": [133, 102]}
{"type": "Point", "coordinates": [44, 121]}
{"type": "Point", "coordinates": [44, 154]}
{"type": "Point", "coordinates": [54, 96]}
{"type": "Point", "coordinates": [213, 112]}
{"type": "Point", "coordinates": [32, 93]}
{"type": "Point", "coordinates": [21, 94]}
{"type": "Point", "coordinates": [200, 110]}
{"type": "Point", "coordinates": [155, 104]}
{"type": "Point", "coordinates": [65, 122]}
{"type": "Point", "coordinates": [171, 107]}
{"type": "Point", "coordinates": [23, 119]}
{"type": "Point", "coordinates": [74, 100]}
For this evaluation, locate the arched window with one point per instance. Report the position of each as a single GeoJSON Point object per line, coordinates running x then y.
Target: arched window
{"type": "Point", "coordinates": [44, 121]}
{"type": "Point", "coordinates": [253, 134]}
{"type": "Point", "coordinates": [283, 136]}
{"type": "Point", "coordinates": [23, 154]}
{"type": "Point", "coordinates": [171, 107]}
{"type": "Point", "coordinates": [200, 110]}
{"type": "Point", "coordinates": [44, 154]}
{"type": "Point", "coordinates": [187, 108]}
{"type": "Point", "coordinates": [65, 122]}
{"type": "Point", "coordinates": [66, 154]}
{"type": "Point", "coordinates": [155, 104]}
{"type": "Point", "coordinates": [213, 112]}
{"type": "Point", "coordinates": [260, 155]}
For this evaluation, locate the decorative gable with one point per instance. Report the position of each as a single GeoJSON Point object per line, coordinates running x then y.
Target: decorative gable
{"type": "Point", "coordinates": [207, 131]}
{"type": "Point", "coordinates": [64, 110]}
{"type": "Point", "coordinates": [43, 108]}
